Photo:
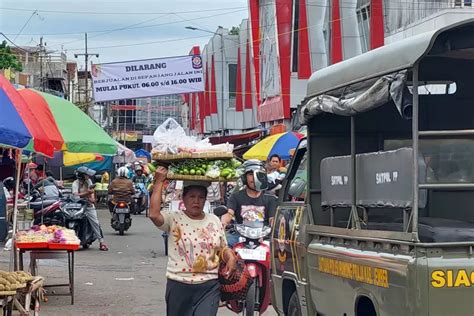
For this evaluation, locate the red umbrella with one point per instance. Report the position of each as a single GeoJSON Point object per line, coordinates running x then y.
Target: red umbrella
{"type": "Point", "coordinates": [18, 124]}
{"type": "Point", "coordinates": [44, 116]}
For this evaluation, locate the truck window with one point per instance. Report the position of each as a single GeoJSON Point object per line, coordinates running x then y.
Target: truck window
{"type": "Point", "coordinates": [298, 183]}
{"type": "Point", "coordinates": [448, 160]}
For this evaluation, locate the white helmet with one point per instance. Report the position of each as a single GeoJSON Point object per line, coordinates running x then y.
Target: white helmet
{"type": "Point", "coordinates": [122, 172]}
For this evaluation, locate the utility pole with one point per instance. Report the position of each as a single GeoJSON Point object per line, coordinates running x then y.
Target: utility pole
{"type": "Point", "coordinates": [86, 59]}
{"type": "Point", "coordinates": [41, 63]}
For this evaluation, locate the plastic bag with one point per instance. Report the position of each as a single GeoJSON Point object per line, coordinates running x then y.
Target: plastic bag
{"type": "Point", "coordinates": [170, 136]}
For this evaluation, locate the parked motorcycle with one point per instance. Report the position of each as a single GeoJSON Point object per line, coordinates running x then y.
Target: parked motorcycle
{"type": "Point", "coordinates": [69, 212]}
{"type": "Point", "coordinates": [46, 211]}
{"type": "Point", "coordinates": [140, 199]}
{"type": "Point", "coordinates": [255, 251]}
{"type": "Point", "coordinates": [73, 214]}
{"type": "Point", "coordinates": [121, 219]}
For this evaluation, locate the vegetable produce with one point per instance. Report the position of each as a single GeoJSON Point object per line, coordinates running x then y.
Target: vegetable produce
{"type": "Point", "coordinates": [47, 234]}
{"type": "Point", "coordinates": [214, 169]}
{"type": "Point", "coordinates": [11, 281]}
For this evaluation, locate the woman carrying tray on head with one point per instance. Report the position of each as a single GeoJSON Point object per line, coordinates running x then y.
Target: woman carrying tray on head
{"type": "Point", "coordinates": [197, 245]}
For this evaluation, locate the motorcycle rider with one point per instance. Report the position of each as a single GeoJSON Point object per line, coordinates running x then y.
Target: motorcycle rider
{"type": "Point", "coordinates": [251, 203]}
{"type": "Point", "coordinates": [121, 188]}
{"type": "Point", "coordinates": [82, 187]}
{"type": "Point", "coordinates": [139, 176]}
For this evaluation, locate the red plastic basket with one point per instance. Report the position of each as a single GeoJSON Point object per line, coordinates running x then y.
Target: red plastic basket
{"type": "Point", "coordinates": [57, 246]}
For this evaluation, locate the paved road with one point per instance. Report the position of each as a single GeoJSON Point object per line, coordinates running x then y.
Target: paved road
{"type": "Point", "coordinates": [127, 280]}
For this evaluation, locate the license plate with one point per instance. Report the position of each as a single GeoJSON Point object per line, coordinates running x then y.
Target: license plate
{"type": "Point", "coordinates": [122, 210]}
{"type": "Point", "coordinates": [252, 254]}
{"type": "Point", "coordinates": [74, 205]}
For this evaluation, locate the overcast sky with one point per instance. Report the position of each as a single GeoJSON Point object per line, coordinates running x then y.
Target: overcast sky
{"type": "Point", "coordinates": [138, 21]}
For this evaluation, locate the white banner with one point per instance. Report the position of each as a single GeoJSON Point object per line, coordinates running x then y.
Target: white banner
{"type": "Point", "coordinates": [147, 78]}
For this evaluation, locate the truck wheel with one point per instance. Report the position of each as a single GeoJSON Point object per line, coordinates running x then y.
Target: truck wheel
{"type": "Point", "coordinates": [249, 304]}
{"type": "Point", "coordinates": [294, 307]}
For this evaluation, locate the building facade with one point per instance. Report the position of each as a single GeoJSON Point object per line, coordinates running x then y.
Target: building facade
{"type": "Point", "coordinates": [261, 79]}
{"type": "Point", "coordinates": [294, 38]}
{"type": "Point", "coordinates": [228, 106]}
{"type": "Point", "coordinates": [42, 69]}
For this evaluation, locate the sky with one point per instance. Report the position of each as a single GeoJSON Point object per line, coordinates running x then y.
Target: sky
{"type": "Point", "coordinates": [118, 30]}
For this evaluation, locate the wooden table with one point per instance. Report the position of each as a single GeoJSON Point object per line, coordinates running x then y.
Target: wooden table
{"type": "Point", "coordinates": [48, 254]}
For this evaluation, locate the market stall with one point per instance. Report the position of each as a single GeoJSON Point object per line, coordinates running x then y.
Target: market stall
{"type": "Point", "coordinates": [20, 129]}
{"type": "Point", "coordinates": [46, 243]}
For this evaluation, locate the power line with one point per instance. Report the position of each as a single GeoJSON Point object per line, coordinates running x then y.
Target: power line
{"type": "Point", "coordinates": [110, 31]}
{"type": "Point", "coordinates": [137, 27]}
{"type": "Point", "coordinates": [26, 23]}
{"type": "Point", "coordinates": [13, 43]}
{"type": "Point", "coordinates": [123, 13]}
{"type": "Point", "coordinates": [310, 3]}
{"type": "Point", "coordinates": [144, 43]}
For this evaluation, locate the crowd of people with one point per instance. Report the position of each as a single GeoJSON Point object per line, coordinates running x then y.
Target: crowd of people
{"type": "Point", "coordinates": [199, 240]}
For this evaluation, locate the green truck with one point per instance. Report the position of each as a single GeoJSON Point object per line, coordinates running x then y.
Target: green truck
{"type": "Point", "coordinates": [376, 215]}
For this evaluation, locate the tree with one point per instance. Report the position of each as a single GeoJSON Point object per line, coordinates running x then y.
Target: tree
{"type": "Point", "coordinates": [8, 59]}
{"type": "Point", "coordinates": [235, 30]}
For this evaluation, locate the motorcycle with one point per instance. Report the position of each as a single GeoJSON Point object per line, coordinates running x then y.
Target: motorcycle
{"type": "Point", "coordinates": [140, 199]}
{"type": "Point", "coordinates": [255, 251]}
{"type": "Point", "coordinates": [74, 217]}
{"type": "Point", "coordinates": [121, 219]}
{"type": "Point", "coordinates": [46, 211]}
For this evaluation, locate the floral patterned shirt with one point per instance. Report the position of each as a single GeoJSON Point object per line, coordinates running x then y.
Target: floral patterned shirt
{"type": "Point", "coordinates": [193, 247]}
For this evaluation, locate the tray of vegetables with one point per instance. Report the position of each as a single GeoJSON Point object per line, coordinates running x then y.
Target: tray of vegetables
{"type": "Point", "coordinates": [214, 170]}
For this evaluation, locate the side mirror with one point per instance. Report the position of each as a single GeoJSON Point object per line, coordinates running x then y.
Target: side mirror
{"type": "Point", "coordinates": [297, 187]}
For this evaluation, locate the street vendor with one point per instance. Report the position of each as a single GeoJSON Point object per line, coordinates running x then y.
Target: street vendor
{"type": "Point", "coordinates": [197, 246]}
{"type": "Point", "coordinates": [32, 174]}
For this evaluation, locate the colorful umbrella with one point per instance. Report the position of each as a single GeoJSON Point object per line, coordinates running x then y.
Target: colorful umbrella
{"type": "Point", "coordinates": [80, 133]}
{"type": "Point", "coordinates": [68, 159]}
{"type": "Point", "coordinates": [279, 144]}
{"type": "Point", "coordinates": [44, 116]}
{"type": "Point", "coordinates": [18, 124]}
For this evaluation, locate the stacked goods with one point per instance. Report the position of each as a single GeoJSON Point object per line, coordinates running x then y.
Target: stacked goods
{"type": "Point", "coordinates": [11, 281]}
{"type": "Point", "coordinates": [65, 236]}
{"type": "Point", "coordinates": [203, 169]}
{"type": "Point", "coordinates": [33, 238]}
{"type": "Point", "coordinates": [190, 158]}
{"type": "Point", "coordinates": [172, 143]}
{"type": "Point", "coordinates": [101, 186]}
{"type": "Point", "coordinates": [46, 236]}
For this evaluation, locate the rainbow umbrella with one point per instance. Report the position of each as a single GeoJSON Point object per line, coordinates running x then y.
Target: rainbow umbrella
{"type": "Point", "coordinates": [18, 124]}
{"type": "Point", "coordinates": [80, 133]}
{"type": "Point", "coordinates": [279, 144]}
{"type": "Point", "coordinates": [68, 159]}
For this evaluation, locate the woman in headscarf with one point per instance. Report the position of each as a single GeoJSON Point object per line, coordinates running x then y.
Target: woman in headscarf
{"type": "Point", "coordinates": [196, 246]}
